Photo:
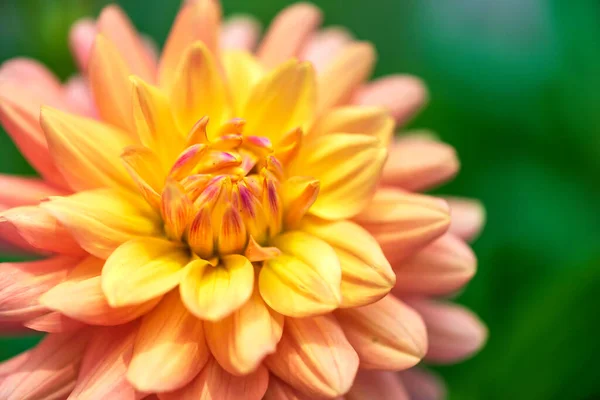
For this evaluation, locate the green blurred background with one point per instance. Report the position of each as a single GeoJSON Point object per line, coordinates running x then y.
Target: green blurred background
{"type": "Point", "coordinates": [515, 87]}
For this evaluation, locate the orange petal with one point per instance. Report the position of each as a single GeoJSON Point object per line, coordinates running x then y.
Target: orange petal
{"type": "Point", "coordinates": [197, 21]}
{"type": "Point", "coordinates": [374, 121]}
{"type": "Point", "coordinates": [423, 385]}
{"type": "Point", "coordinates": [49, 371]}
{"type": "Point", "coordinates": [255, 252]}
{"type": "Point", "coordinates": [273, 116]}
{"type": "Point", "coordinates": [288, 32]}
{"type": "Point", "coordinates": [366, 274]}
{"type": "Point", "coordinates": [279, 390]}
{"type": "Point", "coordinates": [378, 385]}
{"type": "Point", "coordinates": [108, 73]}
{"type": "Point", "coordinates": [176, 209]}
{"type": "Point", "coordinates": [468, 217]}
{"type": "Point", "coordinates": [155, 122]}
{"type": "Point", "coordinates": [101, 220]}
{"type": "Point", "coordinates": [144, 168]}
{"type": "Point", "coordinates": [20, 190]}
{"type": "Point", "coordinates": [53, 322]}
{"type": "Point", "coordinates": [404, 222]}
{"type": "Point", "coordinates": [402, 95]}
{"type": "Point", "coordinates": [198, 89]}
{"type": "Point", "coordinates": [215, 383]}
{"type": "Point", "coordinates": [142, 269]}
{"type": "Point", "coordinates": [348, 166]}
{"type": "Point", "coordinates": [116, 27]}
{"type": "Point", "coordinates": [314, 357]}
{"type": "Point", "coordinates": [170, 342]}
{"type": "Point", "coordinates": [299, 194]}
{"type": "Point", "coordinates": [350, 68]}
{"type": "Point", "coordinates": [22, 283]}
{"type": "Point", "coordinates": [91, 307]}
{"type": "Point", "coordinates": [229, 339]}
{"type": "Point", "coordinates": [214, 292]}
{"type": "Point", "coordinates": [418, 164]}
{"type": "Point", "coordinates": [85, 151]}
{"type": "Point", "coordinates": [441, 268]}
{"type": "Point", "coordinates": [386, 335]}
{"type": "Point", "coordinates": [304, 280]}
{"type": "Point", "coordinates": [104, 365]}
{"type": "Point", "coordinates": [455, 333]}
{"type": "Point", "coordinates": [34, 228]}
{"type": "Point", "coordinates": [19, 115]}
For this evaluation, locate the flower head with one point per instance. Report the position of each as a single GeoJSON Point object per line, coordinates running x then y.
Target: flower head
{"type": "Point", "coordinates": [215, 220]}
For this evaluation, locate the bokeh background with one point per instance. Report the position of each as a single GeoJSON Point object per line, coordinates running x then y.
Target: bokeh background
{"type": "Point", "coordinates": [515, 87]}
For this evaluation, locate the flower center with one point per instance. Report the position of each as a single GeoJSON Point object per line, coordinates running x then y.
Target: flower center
{"type": "Point", "coordinates": [224, 193]}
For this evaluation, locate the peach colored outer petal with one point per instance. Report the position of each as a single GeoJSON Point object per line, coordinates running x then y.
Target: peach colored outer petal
{"type": "Point", "coordinates": [19, 116]}
{"type": "Point", "coordinates": [32, 75]}
{"type": "Point", "coordinates": [403, 95]}
{"type": "Point", "coordinates": [20, 190]}
{"type": "Point", "coordinates": [79, 96]}
{"type": "Point", "coordinates": [214, 383]}
{"type": "Point", "coordinates": [12, 364]}
{"type": "Point", "coordinates": [441, 268]}
{"type": "Point", "coordinates": [455, 333]}
{"type": "Point", "coordinates": [404, 223]}
{"type": "Point", "coordinates": [104, 365]}
{"type": "Point", "coordinates": [170, 344]}
{"type": "Point", "coordinates": [288, 32]}
{"type": "Point", "coordinates": [116, 26]}
{"type": "Point", "coordinates": [35, 229]}
{"type": "Point", "coordinates": [315, 357]}
{"type": "Point", "coordinates": [91, 306]}
{"type": "Point", "coordinates": [324, 45]}
{"type": "Point", "coordinates": [279, 390]}
{"type": "Point", "coordinates": [468, 217]}
{"type": "Point", "coordinates": [371, 385]}
{"type": "Point", "coordinates": [49, 370]}
{"type": "Point", "coordinates": [53, 322]}
{"type": "Point", "coordinates": [240, 33]}
{"type": "Point", "coordinates": [423, 385]}
{"type": "Point", "coordinates": [22, 283]}
{"type": "Point", "coordinates": [387, 335]}
{"type": "Point", "coordinates": [81, 40]}
{"type": "Point", "coordinates": [198, 20]}
{"type": "Point", "coordinates": [418, 164]}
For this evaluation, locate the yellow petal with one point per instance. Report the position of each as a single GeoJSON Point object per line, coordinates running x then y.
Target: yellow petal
{"type": "Point", "coordinates": [386, 335]}
{"type": "Point", "coordinates": [80, 297]}
{"type": "Point", "coordinates": [176, 209]}
{"type": "Point", "coordinates": [214, 383]}
{"type": "Point", "coordinates": [214, 292]}
{"type": "Point", "coordinates": [85, 151]}
{"type": "Point", "coordinates": [115, 26]}
{"type": "Point", "coordinates": [170, 343]}
{"type": "Point", "coordinates": [240, 341]}
{"type": "Point", "coordinates": [243, 71]}
{"type": "Point", "coordinates": [314, 357]}
{"type": "Point", "coordinates": [283, 99]}
{"type": "Point", "coordinates": [154, 122]}
{"type": "Point", "coordinates": [348, 166]}
{"type": "Point", "coordinates": [198, 89]}
{"type": "Point", "coordinates": [345, 73]}
{"type": "Point", "coordinates": [197, 21]}
{"type": "Point", "coordinates": [299, 194]}
{"type": "Point", "coordinates": [373, 121]}
{"type": "Point", "coordinates": [101, 220]}
{"type": "Point", "coordinates": [108, 74]}
{"type": "Point", "coordinates": [144, 168]}
{"type": "Point", "coordinates": [366, 274]}
{"type": "Point", "coordinates": [304, 280]}
{"type": "Point", "coordinates": [142, 269]}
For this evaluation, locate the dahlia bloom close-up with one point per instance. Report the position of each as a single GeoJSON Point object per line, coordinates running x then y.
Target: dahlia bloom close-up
{"type": "Point", "coordinates": [231, 219]}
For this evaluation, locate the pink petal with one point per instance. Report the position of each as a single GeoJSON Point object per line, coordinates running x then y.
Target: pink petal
{"type": "Point", "coordinates": [324, 45]}
{"type": "Point", "coordinates": [30, 73]}
{"type": "Point", "coordinates": [417, 164]}
{"type": "Point", "coordinates": [423, 385]}
{"type": "Point", "coordinates": [455, 333]}
{"type": "Point", "coordinates": [371, 385]}
{"type": "Point", "coordinates": [19, 191]}
{"type": "Point", "coordinates": [81, 41]}
{"type": "Point", "coordinates": [79, 96]}
{"type": "Point", "coordinates": [240, 33]}
{"type": "Point", "coordinates": [468, 217]}
{"type": "Point", "coordinates": [53, 322]}
{"type": "Point", "coordinates": [403, 95]}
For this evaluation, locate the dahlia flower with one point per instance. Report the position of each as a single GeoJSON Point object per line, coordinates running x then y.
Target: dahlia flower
{"type": "Point", "coordinates": [225, 223]}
